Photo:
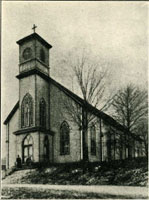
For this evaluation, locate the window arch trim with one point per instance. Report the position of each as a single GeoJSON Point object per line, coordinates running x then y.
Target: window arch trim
{"type": "Point", "coordinates": [27, 146]}
{"type": "Point", "coordinates": [93, 139]}
{"type": "Point", "coordinates": [64, 138]}
{"type": "Point", "coordinates": [27, 111]}
{"type": "Point", "coordinates": [42, 113]}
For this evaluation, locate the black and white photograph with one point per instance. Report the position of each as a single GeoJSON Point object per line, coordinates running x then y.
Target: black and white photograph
{"type": "Point", "coordinates": [74, 100]}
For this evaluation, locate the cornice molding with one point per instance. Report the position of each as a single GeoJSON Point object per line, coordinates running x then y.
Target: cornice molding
{"type": "Point", "coordinates": [34, 59]}
{"type": "Point", "coordinates": [32, 72]}
{"type": "Point", "coordinates": [34, 36]}
{"type": "Point", "coordinates": [33, 129]}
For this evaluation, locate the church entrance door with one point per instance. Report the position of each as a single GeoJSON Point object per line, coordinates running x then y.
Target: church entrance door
{"type": "Point", "coordinates": [27, 148]}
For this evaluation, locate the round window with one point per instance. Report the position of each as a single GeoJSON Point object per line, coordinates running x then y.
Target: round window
{"type": "Point", "coordinates": [27, 53]}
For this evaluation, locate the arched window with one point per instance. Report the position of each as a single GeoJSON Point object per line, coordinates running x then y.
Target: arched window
{"type": "Point", "coordinates": [64, 139]}
{"type": "Point", "coordinates": [42, 113]}
{"type": "Point", "coordinates": [27, 111]}
{"type": "Point", "coordinates": [46, 148]}
{"type": "Point", "coordinates": [93, 140]}
{"type": "Point", "coordinates": [27, 148]}
{"type": "Point", "coordinates": [42, 55]}
{"type": "Point", "coordinates": [109, 143]}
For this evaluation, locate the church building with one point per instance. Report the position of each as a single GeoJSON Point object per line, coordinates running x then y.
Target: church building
{"type": "Point", "coordinates": [39, 126]}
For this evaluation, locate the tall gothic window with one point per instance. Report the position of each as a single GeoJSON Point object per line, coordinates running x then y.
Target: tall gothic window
{"type": "Point", "coordinates": [64, 139]}
{"type": "Point", "coordinates": [93, 140]}
{"type": "Point", "coordinates": [46, 148]}
{"type": "Point", "coordinates": [109, 145]}
{"type": "Point", "coordinates": [42, 55]}
{"type": "Point", "coordinates": [28, 148]}
{"type": "Point", "coordinates": [27, 111]}
{"type": "Point", "coordinates": [42, 113]}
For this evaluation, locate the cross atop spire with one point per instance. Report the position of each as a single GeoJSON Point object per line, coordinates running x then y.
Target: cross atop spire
{"type": "Point", "coordinates": [34, 27]}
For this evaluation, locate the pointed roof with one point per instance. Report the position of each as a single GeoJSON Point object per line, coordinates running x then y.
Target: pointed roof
{"type": "Point", "coordinates": [76, 98]}
{"type": "Point", "coordinates": [34, 36]}
{"type": "Point", "coordinates": [108, 119]}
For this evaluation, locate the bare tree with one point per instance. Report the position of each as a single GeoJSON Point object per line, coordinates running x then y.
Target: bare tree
{"type": "Point", "coordinates": [91, 82]}
{"type": "Point", "coordinates": [130, 107]}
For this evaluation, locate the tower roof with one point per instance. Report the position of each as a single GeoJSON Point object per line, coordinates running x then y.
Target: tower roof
{"type": "Point", "coordinates": [34, 36]}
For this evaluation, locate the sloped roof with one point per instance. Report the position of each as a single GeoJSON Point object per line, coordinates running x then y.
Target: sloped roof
{"type": "Point", "coordinates": [94, 110]}
{"type": "Point", "coordinates": [75, 97]}
{"type": "Point", "coordinates": [91, 108]}
{"type": "Point", "coordinates": [12, 113]}
{"type": "Point", "coordinates": [34, 36]}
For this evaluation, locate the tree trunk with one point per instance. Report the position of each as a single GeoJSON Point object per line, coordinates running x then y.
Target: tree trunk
{"type": "Point", "coordinates": [84, 135]}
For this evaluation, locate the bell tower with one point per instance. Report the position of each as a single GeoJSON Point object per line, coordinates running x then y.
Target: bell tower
{"type": "Point", "coordinates": [34, 53]}
{"type": "Point", "coordinates": [34, 96]}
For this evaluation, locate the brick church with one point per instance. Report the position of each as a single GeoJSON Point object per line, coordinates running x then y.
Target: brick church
{"type": "Point", "coordinates": [39, 126]}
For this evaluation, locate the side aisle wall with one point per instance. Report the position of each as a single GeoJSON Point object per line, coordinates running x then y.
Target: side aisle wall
{"type": "Point", "coordinates": [11, 151]}
{"type": "Point", "coordinates": [58, 114]}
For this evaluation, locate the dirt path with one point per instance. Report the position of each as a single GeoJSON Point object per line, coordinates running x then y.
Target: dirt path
{"type": "Point", "coordinates": [106, 189]}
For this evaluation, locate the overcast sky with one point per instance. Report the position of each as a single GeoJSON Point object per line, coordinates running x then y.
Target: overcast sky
{"type": "Point", "coordinates": [115, 32]}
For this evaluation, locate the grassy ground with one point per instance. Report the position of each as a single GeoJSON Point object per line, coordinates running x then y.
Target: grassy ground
{"type": "Point", "coordinates": [127, 173]}
{"type": "Point", "coordinates": [31, 193]}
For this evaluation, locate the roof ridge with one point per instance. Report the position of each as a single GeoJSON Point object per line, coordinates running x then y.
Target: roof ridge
{"type": "Point", "coordinates": [88, 104]}
{"type": "Point", "coordinates": [107, 118]}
